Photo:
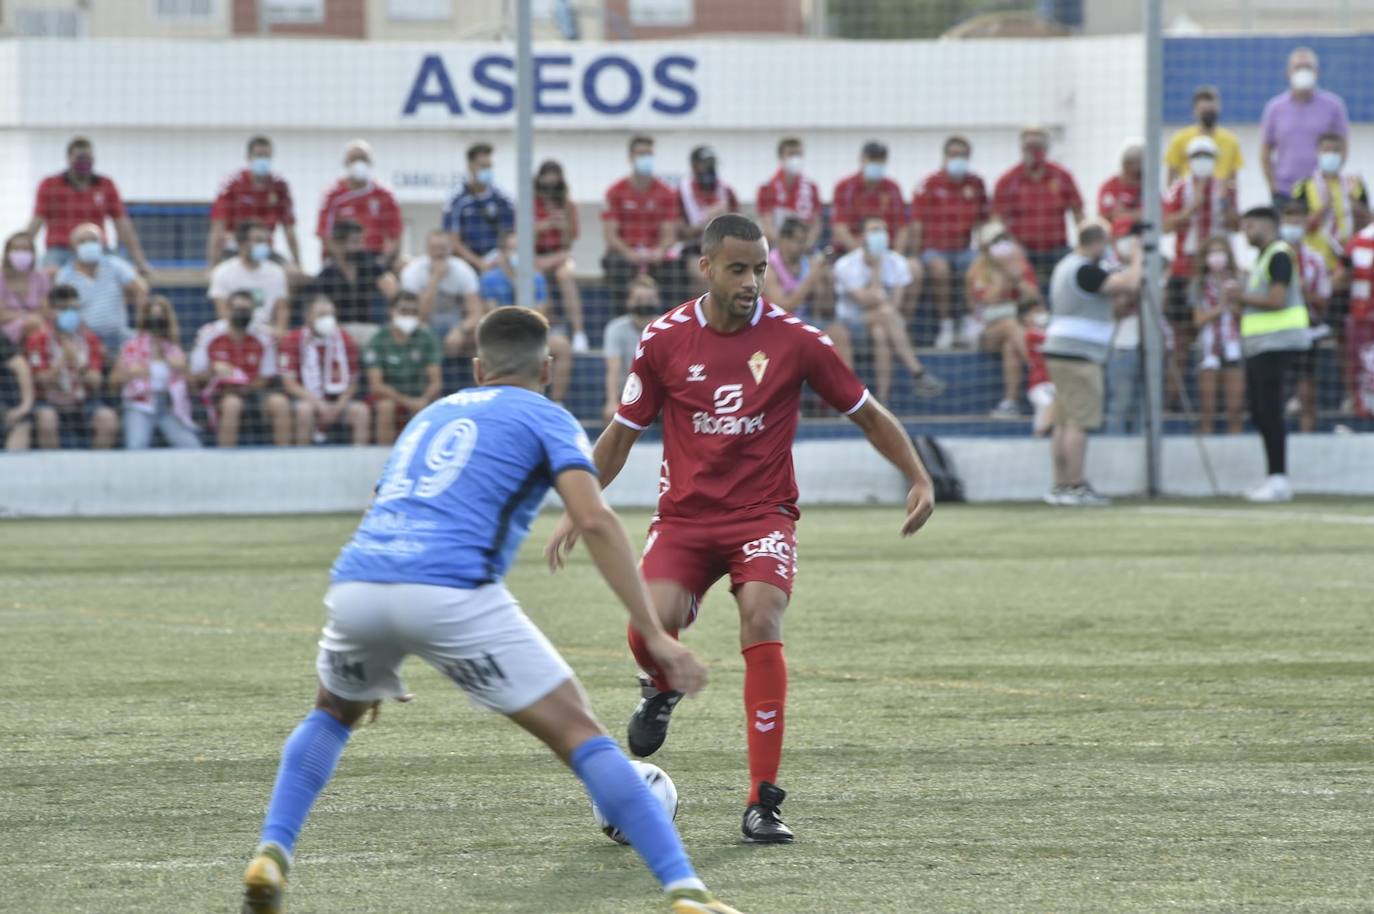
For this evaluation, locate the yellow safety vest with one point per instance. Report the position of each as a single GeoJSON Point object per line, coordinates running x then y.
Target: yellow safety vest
{"type": "Point", "coordinates": [1268, 330]}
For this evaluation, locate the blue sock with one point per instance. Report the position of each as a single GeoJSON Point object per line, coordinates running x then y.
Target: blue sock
{"type": "Point", "coordinates": [307, 761]}
{"type": "Point", "coordinates": [622, 796]}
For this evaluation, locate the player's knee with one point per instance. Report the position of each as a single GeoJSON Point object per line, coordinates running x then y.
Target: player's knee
{"type": "Point", "coordinates": [343, 710]}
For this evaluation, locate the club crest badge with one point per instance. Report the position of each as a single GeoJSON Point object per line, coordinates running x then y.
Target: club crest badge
{"type": "Point", "coordinates": [758, 364]}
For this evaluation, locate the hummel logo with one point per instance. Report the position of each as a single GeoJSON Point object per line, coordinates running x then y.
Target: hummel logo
{"type": "Point", "coordinates": [765, 721]}
{"type": "Point", "coordinates": [696, 372]}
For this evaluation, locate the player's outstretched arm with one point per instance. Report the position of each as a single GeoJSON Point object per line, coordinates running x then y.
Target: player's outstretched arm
{"type": "Point", "coordinates": [890, 439]}
{"type": "Point", "coordinates": [609, 455]}
{"type": "Point", "coordinates": [610, 550]}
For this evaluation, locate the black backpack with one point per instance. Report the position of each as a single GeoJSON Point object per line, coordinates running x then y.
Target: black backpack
{"type": "Point", "coordinates": [948, 486]}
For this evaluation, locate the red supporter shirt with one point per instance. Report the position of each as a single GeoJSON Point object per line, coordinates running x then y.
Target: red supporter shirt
{"type": "Point", "coordinates": [554, 239]}
{"type": "Point", "coordinates": [1113, 197]}
{"type": "Point", "coordinates": [371, 206]}
{"type": "Point", "coordinates": [241, 199]}
{"type": "Point", "coordinates": [1036, 370]}
{"type": "Point", "coordinates": [332, 376]}
{"type": "Point", "coordinates": [639, 214]}
{"type": "Point", "coordinates": [948, 208]}
{"type": "Point", "coordinates": [246, 354]}
{"type": "Point", "coordinates": [856, 201]}
{"type": "Point", "coordinates": [1033, 209]}
{"type": "Point", "coordinates": [63, 206]}
{"type": "Point", "coordinates": [800, 200]}
{"type": "Point", "coordinates": [1213, 199]}
{"type": "Point", "coordinates": [44, 351]}
{"type": "Point", "coordinates": [1362, 275]}
{"type": "Point", "coordinates": [730, 404]}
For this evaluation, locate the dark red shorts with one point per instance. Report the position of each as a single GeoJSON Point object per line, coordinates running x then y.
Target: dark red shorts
{"type": "Point", "coordinates": [696, 555]}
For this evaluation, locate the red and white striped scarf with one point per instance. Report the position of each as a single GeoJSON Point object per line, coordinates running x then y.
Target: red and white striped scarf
{"type": "Point", "coordinates": [138, 393]}
{"type": "Point", "coordinates": [331, 377]}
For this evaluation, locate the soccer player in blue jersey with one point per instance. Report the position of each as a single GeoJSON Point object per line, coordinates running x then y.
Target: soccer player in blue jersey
{"type": "Point", "coordinates": [422, 575]}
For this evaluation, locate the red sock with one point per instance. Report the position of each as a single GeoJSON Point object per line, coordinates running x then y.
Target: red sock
{"type": "Point", "coordinates": [640, 648]}
{"type": "Point", "coordinates": [765, 695]}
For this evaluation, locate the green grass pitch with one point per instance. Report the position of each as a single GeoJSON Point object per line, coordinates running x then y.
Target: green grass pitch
{"type": "Point", "coordinates": [1128, 710]}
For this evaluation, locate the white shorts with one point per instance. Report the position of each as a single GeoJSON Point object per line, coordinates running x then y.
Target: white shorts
{"type": "Point", "coordinates": [480, 639]}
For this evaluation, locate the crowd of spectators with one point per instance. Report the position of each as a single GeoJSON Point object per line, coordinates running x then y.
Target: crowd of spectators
{"type": "Point", "coordinates": [349, 353]}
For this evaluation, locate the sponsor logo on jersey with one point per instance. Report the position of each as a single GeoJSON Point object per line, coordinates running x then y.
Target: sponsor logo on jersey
{"type": "Point", "coordinates": [728, 400]}
{"type": "Point", "coordinates": [634, 389]}
{"type": "Point", "coordinates": [773, 546]}
{"type": "Point", "coordinates": [696, 372]}
{"type": "Point", "coordinates": [758, 364]}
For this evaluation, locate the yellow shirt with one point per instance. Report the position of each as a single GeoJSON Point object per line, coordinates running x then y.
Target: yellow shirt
{"type": "Point", "coordinates": [1229, 159]}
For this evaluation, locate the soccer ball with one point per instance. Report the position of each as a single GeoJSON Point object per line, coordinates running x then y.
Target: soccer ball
{"type": "Point", "coordinates": [659, 784]}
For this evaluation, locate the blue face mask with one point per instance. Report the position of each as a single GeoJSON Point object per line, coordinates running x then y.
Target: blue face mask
{"type": "Point", "coordinates": [260, 166]}
{"type": "Point", "coordinates": [1330, 162]}
{"type": "Point", "coordinates": [876, 242]}
{"type": "Point", "coordinates": [89, 251]}
{"type": "Point", "coordinates": [875, 171]}
{"type": "Point", "coordinates": [644, 164]}
{"type": "Point", "coordinates": [957, 167]}
{"type": "Point", "coordinates": [69, 320]}
{"type": "Point", "coordinates": [260, 251]}
{"type": "Point", "coordinates": [484, 176]}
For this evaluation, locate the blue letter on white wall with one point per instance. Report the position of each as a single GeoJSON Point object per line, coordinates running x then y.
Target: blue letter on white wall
{"type": "Point", "coordinates": [432, 68]}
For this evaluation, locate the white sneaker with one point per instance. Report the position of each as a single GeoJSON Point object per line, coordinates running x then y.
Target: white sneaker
{"type": "Point", "coordinates": [1274, 488]}
{"type": "Point", "coordinates": [580, 343]}
{"type": "Point", "coordinates": [970, 332]}
{"type": "Point", "coordinates": [1007, 409]}
{"type": "Point", "coordinates": [1061, 496]}
{"type": "Point", "coordinates": [945, 338]}
{"type": "Point", "coordinates": [1088, 497]}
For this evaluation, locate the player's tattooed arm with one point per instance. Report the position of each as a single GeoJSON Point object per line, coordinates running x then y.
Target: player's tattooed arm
{"type": "Point", "coordinates": [890, 439]}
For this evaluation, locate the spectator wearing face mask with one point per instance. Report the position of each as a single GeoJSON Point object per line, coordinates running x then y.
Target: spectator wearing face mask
{"type": "Point", "coordinates": [789, 194]}
{"type": "Point", "coordinates": [1196, 207]}
{"type": "Point", "coordinates": [252, 194]}
{"type": "Point", "coordinates": [947, 208]}
{"type": "Point", "coordinates": [1032, 200]}
{"type": "Point", "coordinates": [23, 289]}
{"type": "Point", "coordinates": [151, 376]}
{"type": "Point", "coordinates": [1000, 283]}
{"type": "Point", "coordinates": [233, 370]}
{"type": "Point", "coordinates": [869, 285]}
{"type": "Point", "coordinates": [16, 397]}
{"type": "Point", "coordinates": [1118, 199]}
{"type": "Point", "coordinates": [357, 281]}
{"type": "Point", "coordinates": [1316, 291]}
{"type": "Point", "coordinates": [77, 196]}
{"type": "Point", "coordinates": [1206, 113]}
{"type": "Point", "coordinates": [1219, 365]}
{"type": "Point", "coordinates": [1292, 124]}
{"type": "Point", "coordinates": [446, 287]}
{"type": "Point", "coordinates": [1337, 203]}
{"type": "Point", "coordinates": [253, 270]}
{"type": "Point", "coordinates": [1358, 374]}
{"type": "Point", "coordinates": [622, 339]}
{"type": "Point", "coordinates": [640, 224]}
{"type": "Point", "coordinates": [479, 213]}
{"type": "Point", "coordinates": [703, 196]}
{"type": "Point", "coordinates": [107, 286]}
{"type": "Point", "coordinates": [556, 228]}
{"type": "Point", "coordinates": [402, 362]}
{"type": "Point", "coordinates": [319, 369]}
{"type": "Point", "coordinates": [67, 362]}
{"type": "Point", "coordinates": [869, 194]}
{"type": "Point", "coordinates": [358, 198]}
{"type": "Point", "coordinates": [497, 287]}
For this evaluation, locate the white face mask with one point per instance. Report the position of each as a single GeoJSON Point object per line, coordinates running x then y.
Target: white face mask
{"type": "Point", "coordinates": [876, 242]}
{"type": "Point", "coordinates": [1001, 250]}
{"type": "Point", "coordinates": [359, 169]}
{"type": "Point", "coordinates": [1124, 247]}
{"type": "Point", "coordinates": [957, 166]}
{"type": "Point", "coordinates": [406, 323]}
{"type": "Point", "coordinates": [1217, 261]}
{"type": "Point", "coordinates": [1202, 166]}
{"type": "Point", "coordinates": [792, 165]}
{"type": "Point", "coordinates": [1303, 79]}
{"type": "Point", "coordinates": [1291, 233]}
{"type": "Point", "coordinates": [325, 325]}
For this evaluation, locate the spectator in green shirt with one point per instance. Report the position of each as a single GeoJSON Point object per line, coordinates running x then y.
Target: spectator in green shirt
{"type": "Point", "coordinates": [402, 362]}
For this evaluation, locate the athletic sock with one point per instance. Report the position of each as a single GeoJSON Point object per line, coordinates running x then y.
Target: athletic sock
{"type": "Point", "coordinates": [640, 648]}
{"type": "Point", "coordinates": [765, 696]}
{"type": "Point", "coordinates": [626, 802]}
{"type": "Point", "coordinates": [307, 762]}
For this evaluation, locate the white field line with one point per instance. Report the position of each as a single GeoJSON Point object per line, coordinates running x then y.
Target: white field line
{"type": "Point", "coordinates": [1261, 514]}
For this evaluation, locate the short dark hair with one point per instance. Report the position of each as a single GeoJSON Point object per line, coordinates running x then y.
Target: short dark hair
{"type": "Point", "coordinates": [78, 142]}
{"type": "Point", "coordinates": [479, 149]}
{"type": "Point", "coordinates": [257, 140]}
{"type": "Point", "coordinates": [956, 138]}
{"type": "Point", "coordinates": [874, 150]}
{"type": "Point", "coordinates": [793, 227]}
{"type": "Point", "coordinates": [345, 228]}
{"type": "Point", "coordinates": [402, 297]}
{"type": "Point", "coordinates": [513, 341]}
{"type": "Point", "coordinates": [1206, 94]}
{"type": "Point", "coordinates": [63, 292]}
{"type": "Point", "coordinates": [1297, 207]}
{"type": "Point", "coordinates": [1092, 234]}
{"type": "Point", "coordinates": [640, 139]}
{"type": "Point", "coordinates": [245, 228]}
{"type": "Point", "coordinates": [788, 142]}
{"type": "Point", "coordinates": [728, 225]}
{"type": "Point", "coordinates": [242, 293]}
{"type": "Point", "coordinates": [1267, 213]}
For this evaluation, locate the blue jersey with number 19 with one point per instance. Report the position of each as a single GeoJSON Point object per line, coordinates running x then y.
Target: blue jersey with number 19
{"type": "Point", "coordinates": [461, 488]}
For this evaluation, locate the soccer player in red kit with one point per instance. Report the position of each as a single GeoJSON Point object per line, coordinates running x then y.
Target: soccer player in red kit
{"type": "Point", "coordinates": [726, 371]}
